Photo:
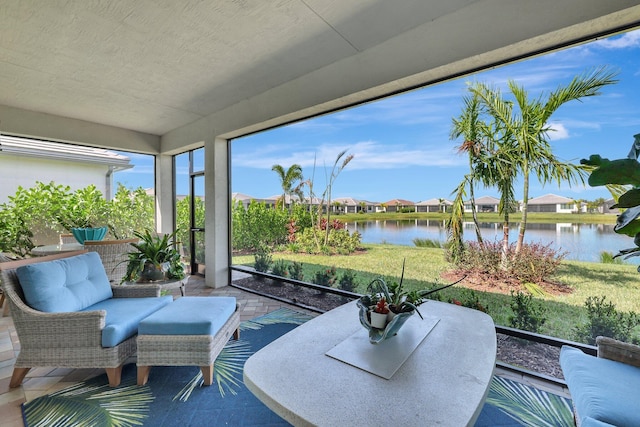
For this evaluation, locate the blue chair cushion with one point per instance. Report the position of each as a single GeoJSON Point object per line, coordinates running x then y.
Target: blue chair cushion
{"type": "Point", "coordinates": [590, 422]}
{"type": "Point", "coordinates": [124, 315]}
{"type": "Point", "coordinates": [602, 389]}
{"type": "Point", "coordinates": [190, 316]}
{"type": "Point", "coordinates": [64, 285]}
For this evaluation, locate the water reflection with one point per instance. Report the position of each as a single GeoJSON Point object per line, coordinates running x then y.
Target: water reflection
{"type": "Point", "coordinates": [583, 242]}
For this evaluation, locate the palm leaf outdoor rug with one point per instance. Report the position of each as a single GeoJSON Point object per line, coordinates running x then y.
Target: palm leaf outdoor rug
{"type": "Point", "coordinates": [174, 396]}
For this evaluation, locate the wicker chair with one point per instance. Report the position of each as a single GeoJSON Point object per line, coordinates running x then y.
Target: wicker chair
{"type": "Point", "coordinates": [113, 254]}
{"type": "Point", "coordinates": [67, 238]}
{"type": "Point", "coordinates": [3, 307]}
{"type": "Point", "coordinates": [67, 340]}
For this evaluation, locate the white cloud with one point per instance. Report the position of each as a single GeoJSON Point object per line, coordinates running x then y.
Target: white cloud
{"type": "Point", "coordinates": [367, 155]}
{"type": "Point", "coordinates": [373, 155]}
{"type": "Point", "coordinates": [557, 131]}
{"type": "Point", "coordinates": [627, 40]}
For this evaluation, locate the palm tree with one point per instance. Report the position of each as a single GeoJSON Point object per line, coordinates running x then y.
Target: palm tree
{"type": "Point", "coordinates": [287, 180]}
{"type": "Point", "coordinates": [468, 126]}
{"type": "Point", "coordinates": [529, 127]}
{"type": "Point", "coordinates": [490, 149]}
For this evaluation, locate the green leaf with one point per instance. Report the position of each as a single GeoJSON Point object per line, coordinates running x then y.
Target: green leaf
{"type": "Point", "coordinates": [621, 171]}
{"type": "Point", "coordinates": [629, 199]}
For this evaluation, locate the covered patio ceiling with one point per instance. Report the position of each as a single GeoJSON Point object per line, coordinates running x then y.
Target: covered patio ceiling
{"type": "Point", "coordinates": [158, 76]}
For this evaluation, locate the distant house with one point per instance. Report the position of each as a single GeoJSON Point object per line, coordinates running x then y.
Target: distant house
{"type": "Point", "coordinates": [351, 205]}
{"type": "Point", "coordinates": [554, 203]}
{"type": "Point", "coordinates": [607, 209]}
{"type": "Point", "coordinates": [483, 204]}
{"type": "Point", "coordinates": [245, 200]}
{"type": "Point", "coordinates": [345, 205]}
{"type": "Point", "coordinates": [25, 161]}
{"type": "Point", "coordinates": [397, 205]}
{"type": "Point", "coordinates": [371, 207]}
{"type": "Point", "coordinates": [434, 205]}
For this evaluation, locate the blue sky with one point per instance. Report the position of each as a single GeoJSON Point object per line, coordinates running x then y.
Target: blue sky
{"type": "Point", "coordinates": [401, 144]}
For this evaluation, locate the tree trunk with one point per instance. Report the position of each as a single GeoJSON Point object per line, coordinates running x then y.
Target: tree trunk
{"type": "Point", "coordinates": [525, 209]}
{"type": "Point", "coordinates": [474, 214]}
{"type": "Point", "coordinates": [504, 254]}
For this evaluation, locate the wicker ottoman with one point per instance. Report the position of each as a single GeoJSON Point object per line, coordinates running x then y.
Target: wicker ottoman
{"type": "Point", "coordinates": [189, 331]}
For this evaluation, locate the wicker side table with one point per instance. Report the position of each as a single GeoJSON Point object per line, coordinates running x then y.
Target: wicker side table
{"type": "Point", "coordinates": [166, 284]}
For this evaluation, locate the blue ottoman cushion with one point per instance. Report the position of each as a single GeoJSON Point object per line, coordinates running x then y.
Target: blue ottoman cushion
{"type": "Point", "coordinates": [190, 316]}
{"type": "Point", "coordinates": [602, 389]}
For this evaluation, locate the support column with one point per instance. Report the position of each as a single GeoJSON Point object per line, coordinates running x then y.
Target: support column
{"type": "Point", "coordinates": [165, 211]}
{"type": "Point", "coordinates": [217, 213]}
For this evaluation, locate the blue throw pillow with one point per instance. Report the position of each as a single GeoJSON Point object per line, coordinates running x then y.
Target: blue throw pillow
{"type": "Point", "coordinates": [64, 285]}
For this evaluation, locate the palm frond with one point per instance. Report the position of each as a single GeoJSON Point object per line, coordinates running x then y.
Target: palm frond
{"type": "Point", "coordinates": [528, 405]}
{"type": "Point", "coordinates": [228, 366]}
{"type": "Point", "coordinates": [83, 404]}
{"type": "Point", "coordinates": [282, 315]}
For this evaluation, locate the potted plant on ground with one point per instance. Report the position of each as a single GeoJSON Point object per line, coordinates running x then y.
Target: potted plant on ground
{"type": "Point", "coordinates": [156, 258]}
{"type": "Point", "coordinates": [622, 177]}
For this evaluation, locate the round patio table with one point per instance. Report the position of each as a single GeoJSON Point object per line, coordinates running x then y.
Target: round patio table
{"type": "Point", "coordinates": [56, 249]}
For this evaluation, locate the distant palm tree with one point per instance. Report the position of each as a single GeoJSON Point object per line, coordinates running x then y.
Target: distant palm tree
{"type": "Point", "coordinates": [287, 180]}
{"type": "Point", "coordinates": [528, 128]}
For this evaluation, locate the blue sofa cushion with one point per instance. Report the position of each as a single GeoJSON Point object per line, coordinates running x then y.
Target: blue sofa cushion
{"type": "Point", "coordinates": [602, 389]}
{"type": "Point", "coordinates": [64, 285]}
{"type": "Point", "coordinates": [124, 315]}
{"type": "Point", "coordinates": [190, 316]}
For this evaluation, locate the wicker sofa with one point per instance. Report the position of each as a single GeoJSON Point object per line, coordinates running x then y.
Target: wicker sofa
{"type": "Point", "coordinates": [67, 314]}
{"type": "Point", "coordinates": [604, 389]}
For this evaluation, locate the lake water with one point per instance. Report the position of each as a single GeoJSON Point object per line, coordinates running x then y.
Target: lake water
{"type": "Point", "coordinates": [582, 242]}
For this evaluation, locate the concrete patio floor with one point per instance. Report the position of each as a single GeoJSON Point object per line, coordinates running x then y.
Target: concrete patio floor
{"type": "Point", "coordinates": [45, 380]}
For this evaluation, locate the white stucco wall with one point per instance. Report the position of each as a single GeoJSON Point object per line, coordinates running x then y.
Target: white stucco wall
{"type": "Point", "coordinates": [26, 171]}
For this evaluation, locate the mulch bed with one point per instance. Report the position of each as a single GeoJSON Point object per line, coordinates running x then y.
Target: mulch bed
{"type": "Point", "coordinates": [536, 357]}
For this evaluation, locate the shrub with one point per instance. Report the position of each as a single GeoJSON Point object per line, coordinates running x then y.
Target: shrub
{"type": "Point", "coordinates": [348, 281]}
{"type": "Point", "coordinates": [608, 258]}
{"type": "Point", "coordinates": [535, 262]}
{"type": "Point", "coordinates": [340, 241]}
{"type": "Point", "coordinates": [263, 259]}
{"type": "Point", "coordinates": [605, 320]}
{"type": "Point", "coordinates": [528, 315]}
{"type": "Point", "coordinates": [295, 271]}
{"type": "Point", "coordinates": [470, 299]}
{"type": "Point", "coordinates": [257, 224]}
{"type": "Point", "coordinates": [325, 277]}
{"type": "Point", "coordinates": [280, 268]}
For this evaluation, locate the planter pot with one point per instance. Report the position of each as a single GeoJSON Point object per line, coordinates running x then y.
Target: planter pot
{"type": "Point", "coordinates": [377, 335]}
{"type": "Point", "coordinates": [90, 233]}
{"type": "Point", "coordinates": [152, 273]}
{"type": "Point", "coordinates": [378, 320]}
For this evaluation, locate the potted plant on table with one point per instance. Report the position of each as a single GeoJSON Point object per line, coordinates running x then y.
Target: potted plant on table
{"type": "Point", "coordinates": [85, 215]}
{"type": "Point", "coordinates": [397, 304]}
{"type": "Point", "coordinates": [156, 258]}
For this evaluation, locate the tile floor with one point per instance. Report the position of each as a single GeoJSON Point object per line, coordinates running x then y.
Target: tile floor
{"type": "Point", "coordinates": [44, 380]}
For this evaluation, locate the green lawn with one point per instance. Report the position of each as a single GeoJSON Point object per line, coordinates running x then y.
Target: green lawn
{"type": "Point", "coordinates": [620, 283]}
